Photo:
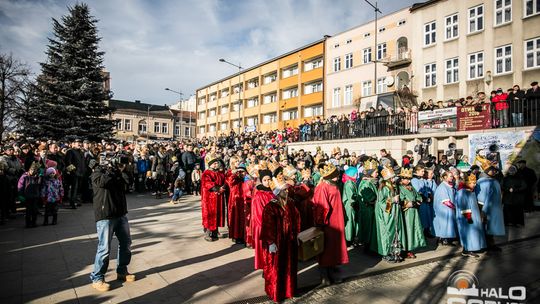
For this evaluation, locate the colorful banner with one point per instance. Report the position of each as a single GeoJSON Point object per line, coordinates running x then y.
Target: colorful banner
{"type": "Point", "coordinates": [437, 120]}
{"type": "Point", "coordinates": [503, 148]}
{"type": "Point", "coordinates": [474, 117]}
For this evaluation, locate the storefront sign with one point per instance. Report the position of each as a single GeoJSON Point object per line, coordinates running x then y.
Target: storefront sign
{"type": "Point", "coordinates": [474, 117]}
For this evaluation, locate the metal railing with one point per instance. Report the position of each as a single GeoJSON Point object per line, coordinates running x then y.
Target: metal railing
{"type": "Point", "coordinates": [516, 113]}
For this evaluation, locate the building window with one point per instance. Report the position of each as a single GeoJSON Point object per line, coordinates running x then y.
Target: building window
{"type": "Point", "coordinates": [348, 61]}
{"type": "Point", "coordinates": [236, 107]}
{"type": "Point", "coordinates": [401, 22]}
{"type": "Point", "coordinates": [451, 27]}
{"type": "Point", "coordinates": [236, 123]}
{"type": "Point", "coordinates": [157, 127]}
{"type": "Point", "coordinates": [503, 59]}
{"type": "Point", "coordinates": [212, 112]}
{"type": "Point", "coordinates": [476, 65]}
{"type": "Point", "coordinates": [430, 75]}
{"type": "Point", "coordinates": [367, 35]}
{"type": "Point", "coordinates": [313, 64]}
{"type": "Point", "coordinates": [187, 131]}
{"type": "Point", "coordinates": [532, 53]}
{"type": "Point", "coordinates": [381, 86]}
{"type": "Point", "coordinates": [366, 88]}
{"type": "Point", "coordinates": [253, 102]}
{"type": "Point", "coordinates": [288, 72]}
{"type": "Point", "coordinates": [223, 126]}
{"type": "Point", "coordinates": [337, 64]}
{"type": "Point", "coordinates": [253, 83]}
{"type": "Point", "coordinates": [335, 97]}
{"type": "Point", "coordinates": [367, 55]}
{"type": "Point", "coordinates": [349, 41]}
{"type": "Point", "coordinates": [201, 129]}
{"type": "Point", "coordinates": [430, 33]}
{"type": "Point", "coordinates": [237, 88]}
{"type": "Point", "coordinates": [348, 95]}
{"type": "Point", "coordinates": [212, 128]}
{"type": "Point", "coordinates": [269, 98]}
{"type": "Point", "coordinates": [382, 29]}
{"type": "Point", "coordinates": [142, 126]}
{"type": "Point", "coordinates": [452, 70]}
{"type": "Point", "coordinates": [290, 93]}
{"type": "Point", "coordinates": [381, 51]}
{"type": "Point", "coordinates": [127, 124]}
{"type": "Point", "coordinates": [288, 115]}
{"type": "Point", "coordinates": [503, 11]}
{"type": "Point", "coordinates": [224, 93]}
{"type": "Point", "coordinates": [119, 124]}
{"type": "Point", "coordinates": [224, 109]}
{"type": "Point", "coordinates": [269, 118]}
{"type": "Point", "coordinates": [313, 111]}
{"type": "Point", "coordinates": [202, 115]}
{"type": "Point", "coordinates": [532, 7]}
{"type": "Point", "coordinates": [202, 100]}
{"type": "Point", "coordinates": [165, 128]}
{"type": "Point", "coordinates": [270, 78]}
{"type": "Point", "coordinates": [176, 130]}
{"type": "Point", "coordinates": [252, 121]}
{"type": "Point", "coordinates": [476, 19]}
{"type": "Point", "coordinates": [313, 87]}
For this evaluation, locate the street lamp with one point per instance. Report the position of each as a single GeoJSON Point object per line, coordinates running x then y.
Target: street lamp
{"type": "Point", "coordinates": [376, 8]}
{"type": "Point", "coordinates": [240, 103]}
{"type": "Point", "coordinates": [148, 122]}
{"type": "Point", "coordinates": [181, 113]}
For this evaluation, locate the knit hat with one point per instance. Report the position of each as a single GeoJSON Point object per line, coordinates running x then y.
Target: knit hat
{"type": "Point", "coordinates": [351, 172]}
{"type": "Point", "coordinates": [50, 171]}
{"type": "Point", "coordinates": [265, 172]}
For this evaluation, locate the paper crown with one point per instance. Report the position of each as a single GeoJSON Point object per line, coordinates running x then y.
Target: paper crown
{"type": "Point", "coordinates": [283, 157]}
{"type": "Point", "coordinates": [263, 165]}
{"type": "Point", "coordinates": [328, 171]}
{"type": "Point", "coordinates": [289, 171]}
{"type": "Point", "coordinates": [406, 173]}
{"type": "Point", "coordinates": [336, 150]}
{"type": "Point", "coordinates": [211, 158]}
{"type": "Point", "coordinates": [371, 165]}
{"type": "Point", "coordinates": [470, 178]}
{"type": "Point", "coordinates": [387, 173]}
{"type": "Point", "coordinates": [275, 167]}
{"type": "Point", "coordinates": [253, 169]}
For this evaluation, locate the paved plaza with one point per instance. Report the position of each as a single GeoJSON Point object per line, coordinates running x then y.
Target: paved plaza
{"type": "Point", "coordinates": [173, 264]}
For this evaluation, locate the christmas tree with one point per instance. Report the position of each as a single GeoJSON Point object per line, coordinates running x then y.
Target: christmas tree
{"type": "Point", "coordinates": [70, 88]}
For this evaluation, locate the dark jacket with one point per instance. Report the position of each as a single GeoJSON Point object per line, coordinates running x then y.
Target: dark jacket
{"type": "Point", "coordinates": [75, 157]}
{"type": "Point", "coordinates": [188, 159]}
{"type": "Point", "coordinates": [109, 197]}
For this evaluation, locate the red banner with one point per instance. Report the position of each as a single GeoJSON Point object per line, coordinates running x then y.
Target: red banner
{"type": "Point", "coordinates": [474, 117]}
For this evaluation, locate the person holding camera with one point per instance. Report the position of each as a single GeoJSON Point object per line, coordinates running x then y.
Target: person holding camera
{"type": "Point", "coordinates": [110, 209]}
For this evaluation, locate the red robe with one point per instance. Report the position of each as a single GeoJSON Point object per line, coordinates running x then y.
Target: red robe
{"type": "Point", "coordinates": [212, 201]}
{"type": "Point", "coordinates": [236, 206]}
{"type": "Point", "coordinates": [260, 199]}
{"type": "Point", "coordinates": [302, 194]}
{"type": "Point", "coordinates": [280, 226]}
{"type": "Point", "coordinates": [247, 189]}
{"type": "Point", "coordinates": [328, 212]}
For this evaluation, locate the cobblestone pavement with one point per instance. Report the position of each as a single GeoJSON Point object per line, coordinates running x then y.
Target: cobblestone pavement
{"type": "Point", "coordinates": [173, 264]}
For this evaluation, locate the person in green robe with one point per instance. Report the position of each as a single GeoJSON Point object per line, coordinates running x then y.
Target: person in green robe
{"type": "Point", "coordinates": [388, 217]}
{"type": "Point", "coordinates": [350, 203]}
{"type": "Point", "coordinates": [367, 193]}
{"type": "Point", "coordinates": [410, 200]}
{"type": "Point", "coordinates": [316, 176]}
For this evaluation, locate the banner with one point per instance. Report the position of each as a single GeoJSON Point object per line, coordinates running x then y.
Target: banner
{"type": "Point", "coordinates": [504, 148]}
{"type": "Point", "coordinates": [437, 120]}
{"type": "Point", "coordinates": [469, 118]}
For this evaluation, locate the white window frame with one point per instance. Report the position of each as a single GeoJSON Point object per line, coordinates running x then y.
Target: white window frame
{"type": "Point", "coordinates": [269, 98]}
{"type": "Point", "coordinates": [502, 10]}
{"type": "Point", "coordinates": [142, 126]}
{"type": "Point", "coordinates": [381, 86]}
{"type": "Point", "coordinates": [534, 51]}
{"type": "Point", "coordinates": [222, 108]}
{"type": "Point", "coordinates": [252, 121]}
{"type": "Point", "coordinates": [269, 78]}
{"type": "Point", "coordinates": [187, 131]}
{"type": "Point", "coordinates": [347, 100]}
{"type": "Point", "coordinates": [289, 71]}
{"type": "Point", "coordinates": [430, 33]}
{"type": "Point", "coordinates": [157, 127]}
{"type": "Point", "coordinates": [430, 75]}
{"type": "Point", "coordinates": [269, 118]}
{"type": "Point", "coordinates": [212, 112]}
{"type": "Point", "coordinates": [381, 48]}
{"type": "Point", "coordinates": [253, 102]}
{"type": "Point", "coordinates": [164, 128]}
{"type": "Point", "coordinates": [176, 130]}
{"type": "Point", "coordinates": [336, 67]}
{"type": "Point", "coordinates": [313, 87]}
{"type": "Point", "coordinates": [477, 65]}
{"type": "Point", "coordinates": [367, 88]}
{"type": "Point", "coordinates": [313, 64]}
{"type": "Point", "coordinates": [535, 8]}
{"type": "Point", "coordinates": [202, 129]}
{"type": "Point", "coordinates": [212, 128]}
{"type": "Point", "coordinates": [119, 124]}
{"type": "Point", "coordinates": [452, 27]}
{"type": "Point", "coordinates": [503, 59]}
{"type": "Point", "coordinates": [313, 111]}
{"type": "Point", "coordinates": [366, 54]}
{"type": "Point", "coordinates": [289, 115]}
{"type": "Point", "coordinates": [290, 93]}
{"type": "Point", "coordinates": [452, 70]}
{"type": "Point", "coordinates": [476, 18]}
{"type": "Point", "coordinates": [336, 96]}
{"type": "Point", "coordinates": [348, 60]}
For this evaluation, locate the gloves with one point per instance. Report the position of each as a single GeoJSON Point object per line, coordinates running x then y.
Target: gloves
{"type": "Point", "coordinates": [215, 189]}
{"type": "Point", "coordinates": [272, 248]}
{"type": "Point", "coordinates": [468, 216]}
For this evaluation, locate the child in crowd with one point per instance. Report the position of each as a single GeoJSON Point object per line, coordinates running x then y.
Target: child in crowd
{"type": "Point", "coordinates": [52, 192]}
{"type": "Point", "coordinates": [28, 188]}
{"type": "Point", "coordinates": [196, 179]}
{"type": "Point", "coordinates": [178, 186]}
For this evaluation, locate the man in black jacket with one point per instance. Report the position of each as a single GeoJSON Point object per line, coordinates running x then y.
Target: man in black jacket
{"type": "Point", "coordinates": [110, 209]}
{"type": "Point", "coordinates": [74, 172]}
{"type": "Point", "coordinates": [189, 160]}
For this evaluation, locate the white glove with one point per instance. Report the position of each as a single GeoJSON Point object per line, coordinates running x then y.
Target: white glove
{"type": "Point", "coordinates": [272, 248]}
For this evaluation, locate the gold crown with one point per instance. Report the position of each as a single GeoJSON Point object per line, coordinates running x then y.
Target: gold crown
{"type": "Point", "coordinates": [328, 171]}
{"type": "Point", "coordinates": [289, 171]}
{"type": "Point", "coordinates": [469, 179]}
{"type": "Point", "coordinates": [263, 165]}
{"type": "Point", "coordinates": [371, 165]}
{"type": "Point", "coordinates": [482, 161]}
{"type": "Point", "coordinates": [336, 150]}
{"type": "Point", "coordinates": [406, 173]}
{"type": "Point", "coordinates": [253, 170]}
{"type": "Point", "coordinates": [387, 173]}
{"type": "Point", "coordinates": [283, 157]}
{"type": "Point", "coordinates": [273, 165]}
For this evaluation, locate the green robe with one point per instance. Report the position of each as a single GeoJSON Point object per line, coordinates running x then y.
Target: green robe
{"type": "Point", "coordinates": [386, 222]}
{"type": "Point", "coordinates": [367, 193]}
{"type": "Point", "coordinates": [414, 232]}
{"type": "Point", "coordinates": [316, 176]}
{"type": "Point", "coordinates": [350, 204]}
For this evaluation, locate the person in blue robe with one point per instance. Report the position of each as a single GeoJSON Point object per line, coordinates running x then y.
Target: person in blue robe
{"type": "Point", "coordinates": [469, 219]}
{"type": "Point", "coordinates": [488, 192]}
{"type": "Point", "coordinates": [430, 185]}
{"type": "Point", "coordinates": [444, 207]}
{"type": "Point", "coordinates": [424, 210]}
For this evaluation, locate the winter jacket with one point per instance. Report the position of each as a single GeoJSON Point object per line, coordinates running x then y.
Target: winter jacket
{"type": "Point", "coordinates": [109, 197]}
{"type": "Point", "coordinates": [52, 190]}
{"type": "Point", "coordinates": [500, 101]}
{"type": "Point", "coordinates": [29, 186]}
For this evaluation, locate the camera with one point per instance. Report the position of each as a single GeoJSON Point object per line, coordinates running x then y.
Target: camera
{"type": "Point", "coordinates": [112, 160]}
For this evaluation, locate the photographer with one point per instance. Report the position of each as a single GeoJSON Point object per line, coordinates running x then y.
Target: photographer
{"type": "Point", "coordinates": [110, 209]}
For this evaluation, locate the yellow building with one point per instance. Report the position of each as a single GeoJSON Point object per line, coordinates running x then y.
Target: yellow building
{"type": "Point", "coordinates": [275, 94]}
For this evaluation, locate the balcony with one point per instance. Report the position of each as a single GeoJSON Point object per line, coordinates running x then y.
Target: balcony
{"type": "Point", "coordinates": [402, 59]}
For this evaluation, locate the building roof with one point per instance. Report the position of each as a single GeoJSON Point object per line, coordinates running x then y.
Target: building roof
{"type": "Point", "coordinates": [265, 62]}
{"type": "Point", "coordinates": [422, 5]}
{"type": "Point", "coordinates": [135, 105]}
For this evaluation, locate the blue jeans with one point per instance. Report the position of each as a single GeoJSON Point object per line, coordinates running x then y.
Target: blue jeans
{"type": "Point", "coordinates": [105, 230]}
{"type": "Point", "coordinates": [177, 194]}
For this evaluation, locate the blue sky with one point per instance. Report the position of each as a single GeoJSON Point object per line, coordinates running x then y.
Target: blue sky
{"type": "Point", "coordinates": [150, 45]}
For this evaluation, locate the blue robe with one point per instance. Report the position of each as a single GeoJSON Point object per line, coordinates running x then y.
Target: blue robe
{"type": "Point", "coordinates": [429, 191]}
{"type": "Point", "coordinates": [425, 210]}
{"type": "Point", "coordinates": [472, 235]}
{"type": "Point", "coordinates": [488, 192]}
{"type": "Point", "coordinates": [444, 222]}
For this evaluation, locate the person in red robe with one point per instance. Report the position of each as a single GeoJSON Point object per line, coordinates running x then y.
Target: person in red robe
{"type": "Point", "coordinates": [212, 201]}
{"type": "Point", "coordinates": [248, 187]}
{"type": "Point", "coordinates": [263, 194]}
{"type": "Point", "coordinates": [302, 194]}
{"type": "Point", "coordinates": [328, 214]}
{"type": "Point", "coordinates": [236, 217]}
{"type": "Point", "coordinates": [280, 227]}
